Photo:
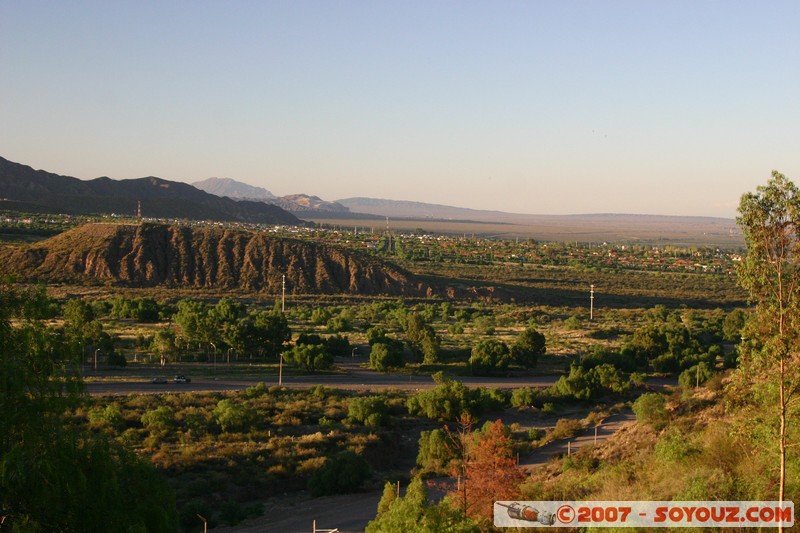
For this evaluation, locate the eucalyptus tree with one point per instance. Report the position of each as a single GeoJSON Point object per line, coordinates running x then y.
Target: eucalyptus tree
{"type": "Point", "coordinates": [770, 222]}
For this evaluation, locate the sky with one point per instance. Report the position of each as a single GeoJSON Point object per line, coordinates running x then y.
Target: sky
{"type": "Point", "coordinates": [543, 107]}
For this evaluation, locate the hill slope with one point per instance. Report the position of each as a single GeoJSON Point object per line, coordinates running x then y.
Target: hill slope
{"type": "Point", "coordinates": [153, 255]}
{"type": "Point", "coordinates": [22, 187]}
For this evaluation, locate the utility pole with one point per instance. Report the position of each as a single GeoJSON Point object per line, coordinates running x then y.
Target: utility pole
{"type": "Point", "coordinates": [591, 303]}
{"type": "Point", "coordinates": [283, 295]}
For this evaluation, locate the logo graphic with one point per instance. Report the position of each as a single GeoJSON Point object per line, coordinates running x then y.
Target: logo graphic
{"type": "Point", "coordinates": [517, 511]}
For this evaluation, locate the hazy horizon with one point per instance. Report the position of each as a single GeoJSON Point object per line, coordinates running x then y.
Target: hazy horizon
{"type": "Point", "coordinates": [522, 107]}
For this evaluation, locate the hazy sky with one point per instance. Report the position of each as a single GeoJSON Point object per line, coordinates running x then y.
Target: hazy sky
{"type": "Point", "coordinates": [645, 106]}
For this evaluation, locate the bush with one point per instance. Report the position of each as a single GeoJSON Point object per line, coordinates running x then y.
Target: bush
{"type": "Point", "coordinates": [158, 421]}
{"type": "Point", "coordinates": [436, 452]}
{"type": "Point", "coordinates": [312, 356]}
{"type": "Point", "coordinates": [368, 410]}
{"type": "Point", "coordinates": [385, 355]}
{"type": "Point", "coordinates": [320, 316]}
{"type": "Point", "coordinates": [341, 474]}
{"type": "Point", "coordinates": [566, 428]}
{"type": "Point", "coordinates": [446, 401]}
{"type": "Point", "coordinates": [673, 446]}
{"type": "Point", "coordinates": [523, 397]}
{"type": "Point", "coordinates": [338, 345]}
{"type": "Point", "coordinates": [535, 434]}
{"type": "Point", "coordinates": [232, 416]}
{"type": "Point", "coordinates": [232, 512]}
{"type": "Point", "coordinates": [599, 355]}
{"type": "Point", "coordinates": [528, 347]}
{"type": "Point", "coordinates": [110, 416]}
{"type": "Point", "coordinates": [651, 408]}
{"type": "Point", "coordinates": [488, 356]}
{"type": "Point", "coordinates": [695, 375]}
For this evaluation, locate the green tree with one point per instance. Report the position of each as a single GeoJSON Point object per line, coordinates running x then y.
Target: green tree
{"type": "Point", "coordinates": [163, 345]}
{"type": "Point", "coordinates": [489, 355]}
{"type": "Point", "coordinates": [266, 332]}
{"type": "Point", "coordinates": [368, 410]}
{"type": "Point", "coordinates": [311, 356]}
{"type": "Point", "coordinates": [385, 355]}
{"type": "Point", "coordinates": [770, 272]}
{"type": "Point", "coordinates": [733, 325]}
{"type": "Point", "coordinates": [387, 498]}
{"type": "Point", "coordinates": [55, 475]}
{"type": "Point", "coordinates": [421, 337]}
{"type": "Point", "coordinates": [414, 512]}
{"type": "Point", "coordinates": [651, 408]}
{"type": "Point", "coordinates": [232, 416]}
{"type": "Point", "coordinates": [528, 348]}
{"type": "Point", "coordinates": [193, 320]}
{"type": "Point", "coordinates": [436, 452]}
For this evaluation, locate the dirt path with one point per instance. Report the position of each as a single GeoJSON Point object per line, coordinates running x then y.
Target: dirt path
{"type": "Point", "coordinates": [352, 512]}
{"type": "Point", "coordinates": [610, 425]}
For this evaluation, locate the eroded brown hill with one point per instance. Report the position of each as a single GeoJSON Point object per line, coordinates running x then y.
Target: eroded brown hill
{"type": "Point", "coordinates": [160, 255]}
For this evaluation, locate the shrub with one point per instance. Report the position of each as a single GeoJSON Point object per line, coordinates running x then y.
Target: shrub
{"type": "Point", "coordinates": [446, 401]}
{"type": "Point", "coordinates": [368, 410]}
{"type": "Point", "coordinates": [528, 347]}
{"type": "Point", "coordinates": [523, 397]}
{"type": "Point", "coordinates": [651, 408]}
{"type": "Point", "coordinates": [385, 355]}
{"type": "Point", "coordinates": [188, 515]}
{"type": "Point", "coordinates": [312, 356]}
{"type": "Point", "coordinates": [232, 416]}
{"type": "Point", "coordinates": [535, 434]}
{"type": "Point", "coordinates": [673, 446]}
{"type": "Point", "coordinates": [599, 355]}
{"type": "Point", "coordinates": [320, 316]}
{"type": "Point", "coordinates": [695, 375]}
{"type": "Point", "coordinates": [376, 334]}
{"type": "Point", "coordinates": [489, 355]}
{"type": "Point", "coordinates": [159, 420]}
{"type": "Point", "coordinates": [436, 452]}
{"type": "Point", "coordinates": [110, 416]}
{"type": "Point", "coordinates": [572, 323]}
{"type": "Point", "coordinates": [341, 474]}
{"type": "Point", "coordinates": [338, 345]}
{"type": "Point", "coordinates": [566, 428]}
{"type": "Point", "coordinates": [338, 324]}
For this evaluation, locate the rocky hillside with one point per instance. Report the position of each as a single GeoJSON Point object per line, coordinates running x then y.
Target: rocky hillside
{"type": "Point", "coordinates": [173, 256]}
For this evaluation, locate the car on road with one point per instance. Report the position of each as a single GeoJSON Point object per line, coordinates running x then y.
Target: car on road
{"type": "Point", "coordinates": [181, 379]}
{"type": "Point", "coordinates": [158, 381]}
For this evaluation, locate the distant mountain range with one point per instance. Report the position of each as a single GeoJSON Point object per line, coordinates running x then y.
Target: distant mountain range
{"type": "Point", "coordinates": [233, 189]}
{"type": "Point", "coordinates": [24, 189]}
{"type": "Point", "coordinates": [295, 203]}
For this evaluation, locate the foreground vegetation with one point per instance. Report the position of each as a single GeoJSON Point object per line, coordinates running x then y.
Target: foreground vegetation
{"type": "Point", "coordinates": [722, 427]}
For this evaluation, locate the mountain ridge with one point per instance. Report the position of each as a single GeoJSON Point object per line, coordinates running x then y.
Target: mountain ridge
{"type": "Point", "coordinates": [21, 185]}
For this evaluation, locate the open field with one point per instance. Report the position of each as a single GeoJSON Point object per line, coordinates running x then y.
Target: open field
{"type": "Point", "coordinates": [661, 230]}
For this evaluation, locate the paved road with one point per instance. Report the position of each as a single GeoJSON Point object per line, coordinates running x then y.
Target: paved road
{"type": "Point", "coordinates": [352, 377]}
